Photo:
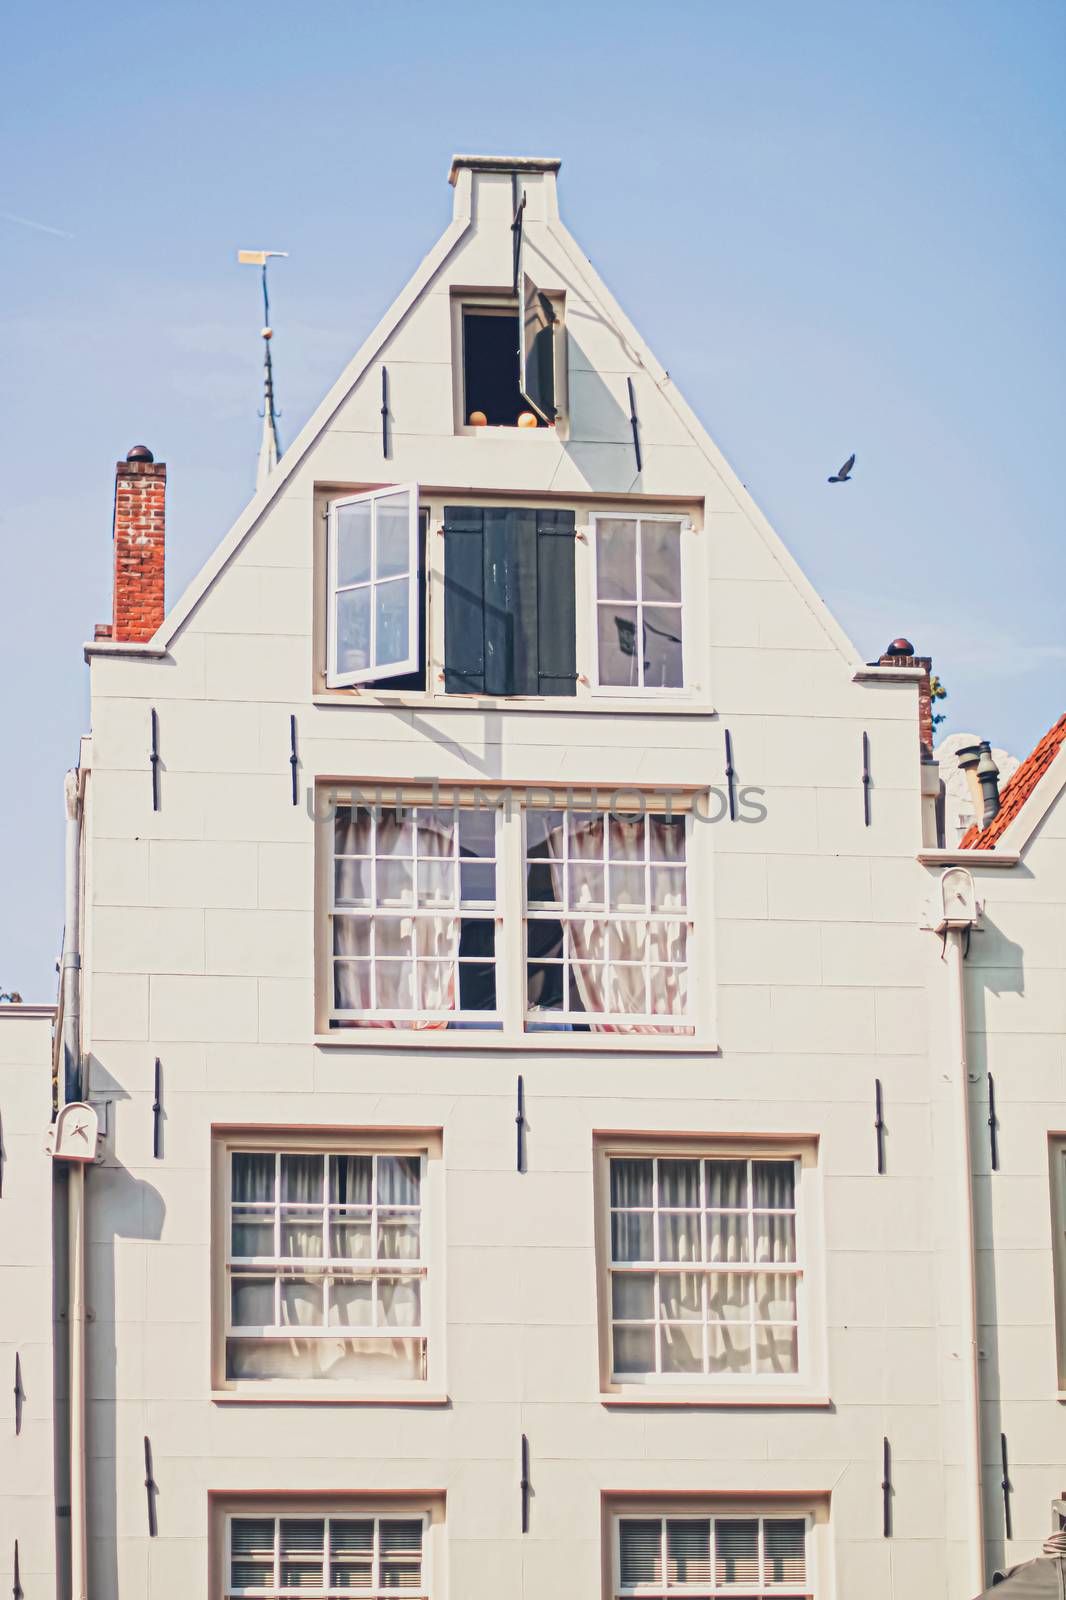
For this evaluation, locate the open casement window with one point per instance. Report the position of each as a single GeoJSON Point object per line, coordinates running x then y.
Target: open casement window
{"type": "Point", "coordinates": [376, 1557]}
{"type": "Point", "coordinates": [373, 566]}
{"type": "Point", "coordinates": [703, 1557]}
{"type": "Point", "coordinates": [509, 601]}
{"type": "Point", "coordinates": [536, 339]}
{"type": "Point", "coordinates": [705, 1270]}
{"type": "Point", "coordinates": [325, 1266]}
{"type": "Point", "coordinates": [639, 603]}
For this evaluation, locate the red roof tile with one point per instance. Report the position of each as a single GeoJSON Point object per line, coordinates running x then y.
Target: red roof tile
{"type": "Point", "coordinates": [1017, 791]}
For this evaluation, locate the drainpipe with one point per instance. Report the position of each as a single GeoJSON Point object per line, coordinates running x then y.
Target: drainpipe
{"type": "Point", "coordinates": [957, 918]}
{"type": "Point", "coordinates": [74, 1161]}
{"type": "Point", "coordinates": [70, 961]}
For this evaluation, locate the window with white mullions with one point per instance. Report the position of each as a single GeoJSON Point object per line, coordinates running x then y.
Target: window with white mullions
{"type": "Point", "coordinates": [414, 916]}
{"type": "Point", "coordinates": [639, 602]}
{"type": "Point", "coordinates": [704, 1268]}
{"type": "Point", "coordinates": [751, 1558]}
{"type": "Point", "coordinates": [325, 1265]}
{"type": "Point", "coordinates": [275, 1557]}
{"type": "Point", "coordinates": [607, 921]}
{"type": "Point", "coordinates": [372, 549]}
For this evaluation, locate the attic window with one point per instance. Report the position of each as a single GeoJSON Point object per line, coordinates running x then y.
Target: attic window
{"type": "Point", "coordinates": [509, 361]}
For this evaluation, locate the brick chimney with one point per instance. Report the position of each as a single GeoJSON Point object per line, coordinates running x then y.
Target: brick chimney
{"type": "Point", "coordinates": [139, 535]}
{"type": "Point", "coordinates": [900, 653]}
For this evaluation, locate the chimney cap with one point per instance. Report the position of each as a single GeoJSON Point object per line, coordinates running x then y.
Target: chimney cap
{"type": "Point", "coordinates": [900, 647]}
{"type": "Point", "coordinates": [140, 452]}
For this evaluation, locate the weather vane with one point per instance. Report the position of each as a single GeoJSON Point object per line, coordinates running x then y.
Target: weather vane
{"type": "Point", "coordinates": [269, 449]}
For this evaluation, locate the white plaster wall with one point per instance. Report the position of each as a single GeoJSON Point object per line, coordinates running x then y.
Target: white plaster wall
{"type": "Point", "coordinates": [27, 1497]}
{"type": "Point", "coordinates": [199, 950]}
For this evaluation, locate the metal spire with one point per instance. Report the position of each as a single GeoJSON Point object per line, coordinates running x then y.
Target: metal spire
{"type": "Point", "coordinates": [269, 448]}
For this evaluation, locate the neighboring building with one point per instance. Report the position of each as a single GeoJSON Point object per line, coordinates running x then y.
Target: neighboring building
{"type": "Point", "coordinates": [490, 1201]}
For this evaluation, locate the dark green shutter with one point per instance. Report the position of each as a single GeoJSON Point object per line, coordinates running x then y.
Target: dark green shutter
{"type": "Point", "coordinates": [556, 603]}
{"type": "Point", "coordinates": [509, 606]}
{"type": "Point", "coordinates": [464, 600]}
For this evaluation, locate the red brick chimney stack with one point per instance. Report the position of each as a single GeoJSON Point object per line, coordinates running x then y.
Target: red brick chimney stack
{"type": "Point", "coordinates": [900, 653]}
{"type": "Point", "coordinates": [140, 535]}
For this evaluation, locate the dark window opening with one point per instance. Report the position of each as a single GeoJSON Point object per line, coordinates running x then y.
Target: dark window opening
{"type": "Point", "coordinates": [490, 368]}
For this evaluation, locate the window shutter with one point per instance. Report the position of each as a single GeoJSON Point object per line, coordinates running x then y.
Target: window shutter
{"type": "Point", "coordinates": [640, 1552]}
{"type": "Point", "coordinates": [688, 1552]}
{"type": "Point", "coordinates": [736, 1552]}
{"type": "Point", "coordinates": [509, 601]}
{"type": "Point", "coordinates": [537, 378]}
{"type": "Point", "coordinates": [785, 1552]}
{"type": "Point", "coordinates": [556, 603]}
{"type": "Point", "coordinates": [464, 600]}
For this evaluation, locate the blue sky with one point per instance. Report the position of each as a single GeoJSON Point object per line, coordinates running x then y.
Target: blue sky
{"type": "Point", "coordinates": [840, 227]}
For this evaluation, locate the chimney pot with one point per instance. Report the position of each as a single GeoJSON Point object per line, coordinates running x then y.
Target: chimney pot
{"type": "Point", "coordinates": [900, 647]}
{"type": "Point", "coordinates": [140, 452]}
{"type": "Point", "coordinates": [988, 777]}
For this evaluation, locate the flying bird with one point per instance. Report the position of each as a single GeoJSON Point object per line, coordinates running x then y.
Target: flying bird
{"type": "Point", "coordinates": [844, 475]}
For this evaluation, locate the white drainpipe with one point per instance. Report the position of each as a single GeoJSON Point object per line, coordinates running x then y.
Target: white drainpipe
{"type": "Point", "coordinates": [958, 916]}
{"type": "Point", "coordinates": [72, 1091]}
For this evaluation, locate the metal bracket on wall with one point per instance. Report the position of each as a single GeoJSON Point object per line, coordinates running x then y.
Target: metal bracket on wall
{"type": "Point", "coordinates": [1005, 1485]}
{"type": "Point", "coordinates": [993, 1123]}
{"type": "Point", "coordinates": [157, 1112]}
{"type": "Point", "coordinates": [151, 1488]}
{"type": "Point", "coordinates": [886, 1489]}
{"type": "Point", "coordinates": [634, 423]}
{"type": "Point", "coordinates": [154, 758]}
{"type": "Point", "coordinates": [879, 1123]}
{"type": "Point", "coordinates": [294, 760]}
{"type": "Point", "coordinates": [520, 1124]}
{"type": "Point", "coordinates": [17, 1590]}
{"type": "Point", "coordinates": [385, 412]}
{"type": "Point", "coordinates": [525, 1484]}
{"type": "Point", "coordinates": [20, 1394]}
{"type": "Point", "coordinates": [730, 776]}
{"type": "Point", "coordinates": [866, 778]}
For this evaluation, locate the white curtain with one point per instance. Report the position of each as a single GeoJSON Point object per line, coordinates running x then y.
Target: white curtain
{"type": "Point", "coordinates": [420, 953]}
{"type": "Point", "coordinates": [599, 945]}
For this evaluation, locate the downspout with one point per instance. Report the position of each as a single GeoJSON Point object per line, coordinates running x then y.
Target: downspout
{"type": "Point", "coordinates": [960, 914]}
{"type": "Point", "coordinates": [72, 1078]}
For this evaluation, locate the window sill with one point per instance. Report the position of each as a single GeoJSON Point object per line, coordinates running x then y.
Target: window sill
{"type": "Point", "coordinates": [702, 1399]}
{"type": "Point", "coordinates": [592, 705]}
{"type": "Point", "coordinates": [302, 1397]}
{"type": "Point", "coordinates": [528, 1043]}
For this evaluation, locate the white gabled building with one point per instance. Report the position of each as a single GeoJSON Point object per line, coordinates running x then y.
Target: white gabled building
{"type": "Point", "coordinates": [499, 935]}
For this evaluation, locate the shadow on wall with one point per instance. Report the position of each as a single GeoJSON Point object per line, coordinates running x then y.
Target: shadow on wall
{"type": "Point", "coordinates": [601, 434]}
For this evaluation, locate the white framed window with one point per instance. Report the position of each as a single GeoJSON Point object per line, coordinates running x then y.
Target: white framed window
{"type": "Point", "coordinates": [639, 603]}
{"type": "Point", "coordinates": [716, 1554]}
{"type": "Point", "coordinates": [334, 1555]}
{"type": "Point", "coordinates": [607, 917]}
{"type": "Point", "coordinates": [373, 578]}
{"type": "Point", "coordinates": [498, 913]}
{"type": "Point", "coordinates": [414, 915]}
{"type": "Point", "coordinates": [328, 1262]}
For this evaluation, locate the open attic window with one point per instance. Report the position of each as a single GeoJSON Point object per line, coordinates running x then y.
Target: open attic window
{"type": "Point", "coordinates": [509, 365]}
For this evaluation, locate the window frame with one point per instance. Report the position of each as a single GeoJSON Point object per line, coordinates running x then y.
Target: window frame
{"type": "Point", "coordinates": [427, 1145]}
{"type": "Point", "coordinates": [329, 1591]}
{"type": "Point", "coordinates": [336, 679]}
{"type": "Point", "coordinates": [512, 1028]}
{"type": "Point", "coordinates": [609, 691]}
{"type": "Point", "coordinates": [503, 302]}
{"type": "Point", "coordinates": [589, 698]}
{"type": "Point", "coordinates": [806, 1386]}
{"type": "Point", "coordinates": [714, 1511]}
{"type": "Point", "coordinates": [225, 1506]}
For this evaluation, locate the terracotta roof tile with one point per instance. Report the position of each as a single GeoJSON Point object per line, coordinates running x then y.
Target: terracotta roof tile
{"type": "Point", "coordinates": [1017, 791]}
